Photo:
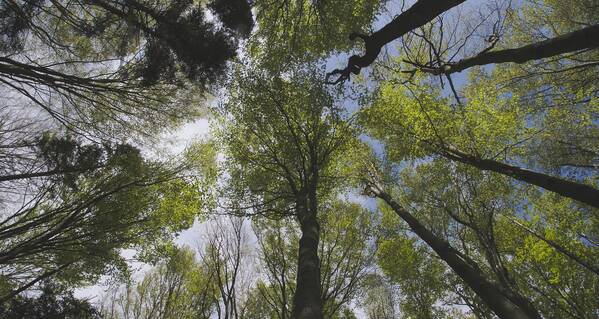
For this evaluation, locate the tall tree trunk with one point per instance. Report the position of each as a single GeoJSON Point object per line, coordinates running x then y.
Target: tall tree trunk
{"type": "Point", "coordinates": [577, 191]}
{"type": "Point", "coordinates": [504, 303]}
{"type": "Point", "coordinates": [307, 303]}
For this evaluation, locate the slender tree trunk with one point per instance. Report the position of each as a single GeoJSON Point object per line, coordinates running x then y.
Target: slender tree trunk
{"type": "Point", "coordinates": [559, 248]}
{"type": "Point", "coordinates": [503, 303]}
{"type": "Point", "coordinates": [307, 303]}
{"type": "Point", "coordinates": [577, 191]}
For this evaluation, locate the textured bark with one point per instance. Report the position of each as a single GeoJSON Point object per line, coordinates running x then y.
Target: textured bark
{"type": "Point", "coordinates": [307, 303]}
{"type": "Point", "coordinates": [422, 12]}
{"type": "Point", "coordinates": [577, 191]}
{"type": "Point", "coordinates": [586, 38]}
{"type": "Point", "coordinates": [504, 303]}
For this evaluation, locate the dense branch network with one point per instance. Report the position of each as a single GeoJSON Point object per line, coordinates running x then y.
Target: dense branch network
{"type": "Point", "coordinates": [416, 16]}
{"type": "Point", "coordinates": [425, 11]}
{"type": "Point", "coordinates": [505, 303]}
{"type": "Point", "coordinates": [586, 38]}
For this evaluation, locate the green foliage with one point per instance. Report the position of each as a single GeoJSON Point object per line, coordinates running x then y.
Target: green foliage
{"type": "Point", "coordinates": [413, 121]}
{"type": "Point", "coordinates": [378, 297]}
{"type": "Point", "coordinates": [178, 287]}
{"type": "Point", "coordinates": [559, 222]}
{"type": "Point", "coordinates": [125, 71]}
{"type": "Point", "coordinates": [278, 130]}
{"type": "Point", "coordinates": [512, 233]}
{"type": "Point", "coordinates": [83, 220]}
{"type": "Point", "coordinates": [175, 34]}
{"type": "Point", "coordinates": [52, 303]}
{"type": "Point", "coordinates": [530, 241]}
{"type": "Point", "coordinates": [303, 30]}
{"type": "Point", "coordinates": [419, 276]}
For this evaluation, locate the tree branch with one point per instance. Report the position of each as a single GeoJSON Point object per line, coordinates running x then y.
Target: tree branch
{"type": "Point", "coordinates": [586, 38]}
{"type": "Point", "coordinates": [416, 16]}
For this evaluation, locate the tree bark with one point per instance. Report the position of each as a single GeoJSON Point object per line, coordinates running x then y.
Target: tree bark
{"type": "Point", "coordinates": [577, 191]}
{"type": "Point", "coordinates": [586, 38]}
{"type": "Point", "coordinates": [422, 12]}
{"type": "Point", "coordinates": [307, 303]}
{"type": "Point", "coordinates": [503, 303]}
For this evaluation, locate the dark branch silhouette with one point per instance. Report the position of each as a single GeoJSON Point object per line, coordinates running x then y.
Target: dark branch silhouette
{"type": "Point", "coordinates": [586, 38]}
{"type": "Point", "coordinates": [416, 16]}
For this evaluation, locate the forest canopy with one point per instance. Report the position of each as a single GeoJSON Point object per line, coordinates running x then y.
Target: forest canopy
{"type": "Point", "coordinates": [299, 159]}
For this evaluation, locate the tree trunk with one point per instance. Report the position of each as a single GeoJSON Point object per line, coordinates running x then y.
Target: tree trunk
{"type": "Point", "coordinates": [419, 14]}
{"type": "Point", "coordinates": [586, 38]}
{"type": "Point", "coordinates": [307, 303]}
{"type": "Point", "coordinates": [577, 191]}
{"type": "Point", "coordinates": [503, 303]}
{"type": "Point", "coordinates": [422, 12]}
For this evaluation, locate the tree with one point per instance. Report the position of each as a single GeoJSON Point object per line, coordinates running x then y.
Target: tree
{"type": "Point", "coordinates": [425, 11]}
{"type": "Point", "coordinates": [439, 48]}
{"type": "Point", "coordinates": [74, 228]}
{"type": "Point", "coordinates": [480, 217]}
{"type": "Point", "coordinates": [422, 12]}
{"type": "Point", "coordinates": [213, 283]}
{"type": "Point", "coordinates": [178, 287]}
{"type": "Point", "coordinates": [227, 259]}
{"type": "Point", "coordinates": [584, 38]}
{"type": "Point", "coordinates": [344, 259]}
{"type": "Point", "coordinates": [506, 304]}
{"type": "Point", "coordinates": [378, 298]}
{"type": "Point", "coordinates": [286, 167]}
{"type": "Point", "coordinates": [346, 254]}
{"type": "Point", "coordinates": [52, 303]}
{"type": "Point", "coordinates": [476, 133]}
{"type": "Point", "coordinates": [115, 65]}
{"type": "Point", "coordinates": [277, 242]}
{"type": "Point", "coordinates": [419, 117]}
{"type": "Point", "coordinates": [487, 210]}
{"type": "Point", "coordinates": [420, 277]}
{"type": "Point", "coordinates": [86, 81]}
